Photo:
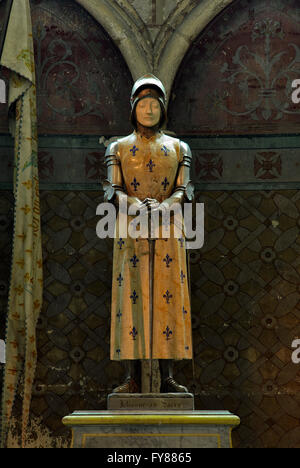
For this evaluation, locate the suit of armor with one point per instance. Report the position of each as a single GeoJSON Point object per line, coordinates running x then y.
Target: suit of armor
{"type": "Point", "coordinates": [150, 168]}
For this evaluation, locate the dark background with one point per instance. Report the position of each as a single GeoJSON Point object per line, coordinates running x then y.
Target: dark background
{"type": "Point", "coordinates": [231, 101]}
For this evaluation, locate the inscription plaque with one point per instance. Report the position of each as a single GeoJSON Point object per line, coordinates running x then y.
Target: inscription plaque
{"type": "Point", "coordinates": [151, 401]}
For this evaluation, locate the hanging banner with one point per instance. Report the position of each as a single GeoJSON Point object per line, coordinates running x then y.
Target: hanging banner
{"type": "Point", "coordinates": [26, 282]}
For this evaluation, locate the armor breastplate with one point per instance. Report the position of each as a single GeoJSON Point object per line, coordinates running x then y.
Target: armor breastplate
{"type": "Point", "coordinates": [149, 165]}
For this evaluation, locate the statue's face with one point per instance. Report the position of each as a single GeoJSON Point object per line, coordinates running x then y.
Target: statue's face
{"type": "Point", "coordinates": [148, 112]}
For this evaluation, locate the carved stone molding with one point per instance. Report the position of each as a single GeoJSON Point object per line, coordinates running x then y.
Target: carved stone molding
{"type": "Point", "coordinates": [125, 31]}
{"type": "Point", "coordinates": [162, 57]}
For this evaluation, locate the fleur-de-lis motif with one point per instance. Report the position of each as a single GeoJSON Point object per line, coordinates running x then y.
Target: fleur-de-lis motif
{"type": "Point", "coordinates": [165, 183]}
{"type": "Point", "coordinates": [168, 260]}
{"type": "Point", "coordinates": [272, 68]}
{"type": "Point", "coordinates": [119, 315]}
{"type": "Point", "coordinates": [135, 183]}
{"type": "Point", "coordinates": [165, 150]}
{"type": "Point", "coordinates": [133, 150]}
{"type": "Point", "coordinates": [118, 351]}
{"type": "Point", "coordinates": [134, 261]}
{"type": "Point", "coordinates": [150, 165]}
{"type": "Point", "coordinates": [167, 296]}
{"type": "Point", "coordinates": [182, 276]}
{"type": "Point", "coordinates": [26, 209]}
{"type": "Point", "coordinates": [120, 279]}
{"type": "Point", "coordinates": [133, 333]}
{"type": "Point", "coordinates": [134, 297]}
{"type": "Point", "coordinates": [181, 240]}
{"type": "Point", "coordinates": [184, 311]}
{"type": "Point", "coordinates": [120, 242]}
{"type": "Point", "coordinates": [168, 332]}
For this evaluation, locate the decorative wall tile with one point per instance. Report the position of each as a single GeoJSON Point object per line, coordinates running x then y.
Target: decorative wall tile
{"type": "Point", "coordinates": [245, 306]}
{"type": "Point", "coordinates": [78, 71]}
{"type": "Point", "coordinates": [237, 76]}
{"type": "Point", "coordinates": [246, 166]}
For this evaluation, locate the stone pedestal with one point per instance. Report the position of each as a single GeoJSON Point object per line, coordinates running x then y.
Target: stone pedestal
{"type": "Point", "coordinates": [151, 429]}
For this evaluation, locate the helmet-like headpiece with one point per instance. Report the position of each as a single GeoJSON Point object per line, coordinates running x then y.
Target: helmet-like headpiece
{"type": "Point", "coordinates": [152, 83]}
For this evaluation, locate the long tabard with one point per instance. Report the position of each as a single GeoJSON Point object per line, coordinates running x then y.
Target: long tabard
{"type": "Point", "coordinates": [149, 168]}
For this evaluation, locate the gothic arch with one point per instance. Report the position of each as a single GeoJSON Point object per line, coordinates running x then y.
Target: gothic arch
{"type": "Point", "coordinates": [168, 59]}
{"type": "Point", "coordinates": [125, 28]}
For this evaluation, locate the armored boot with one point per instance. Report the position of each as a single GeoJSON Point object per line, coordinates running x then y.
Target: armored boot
{"type": "Point", "coordinates": [129, 385]}
{"type": "Point", "coordinates": [168, 384]}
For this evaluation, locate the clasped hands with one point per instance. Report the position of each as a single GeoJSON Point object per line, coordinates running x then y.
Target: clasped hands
{"type": "Point", "coordinates": [153, 207]}
{"type": "Point", "coordinates": [151, 204]}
